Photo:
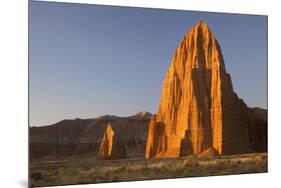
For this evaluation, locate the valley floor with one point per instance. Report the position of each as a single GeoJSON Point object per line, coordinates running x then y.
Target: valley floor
{"type": "Point", "coordinates": [82, 170]}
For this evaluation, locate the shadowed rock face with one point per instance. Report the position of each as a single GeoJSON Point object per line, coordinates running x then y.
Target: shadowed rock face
{"type": "Point", "coordinates": [198, 108]}
{"type": "Point", "coordinates": [111, 147]}
{"type": "Point", "coordinates": [258, 130]}
{"type": "Point", "coordinates": [83, 136]}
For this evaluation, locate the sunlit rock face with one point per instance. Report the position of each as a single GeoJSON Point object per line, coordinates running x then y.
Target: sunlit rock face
{"type": "Point", "coordinates": [198, 108]}
{"type": "Point", "coordinates": [111, 147]}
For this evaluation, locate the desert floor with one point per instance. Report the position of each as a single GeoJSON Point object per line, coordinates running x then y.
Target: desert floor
{"type": "Point", "coordinates": [84, 170]}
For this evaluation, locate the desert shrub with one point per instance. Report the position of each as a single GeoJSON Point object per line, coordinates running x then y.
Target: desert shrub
{"type": "Point", "coordinates": [205, 158]}
{"type": "Point", "coordinates": [222, 163]}
{"type": "Point", "coordinates": [115, 178]}
{"type": "Point", "coordinates": [234, 165]}
{"type": "Point", "coordinates": [186, 163]}
{"type": "Point", "coordinates": [105, 177]}
{"type": "Point", "coordinates": [87, 167]}
{"type": "Point", "coordinates": [62, 172]}
{"type": "Point", "coordinates": [256, 156]}
{"type": "Point", "coordinates": [145, 169]}
{"type": "Point", "coordinates": [194, 164]}
{"type": "Point", "coordinates": [168, 166]}
{"type": "Point", "coordinates": [264, 157]}
{"type": "Point", "coordinates": [37, 176]}
{"type": "Point", "coordinates": [212, 170]}
{"type": "Point", "coordinates": [121, 169]}
{"type": "Point", "coordinates": [66, 174]}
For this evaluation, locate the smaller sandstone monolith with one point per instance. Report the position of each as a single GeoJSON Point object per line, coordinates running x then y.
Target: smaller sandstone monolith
{"type": "Point", "coordinates": [111, 147]}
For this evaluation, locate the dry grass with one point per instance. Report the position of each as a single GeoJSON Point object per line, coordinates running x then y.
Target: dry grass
{"type": "Point", "coordinates": [88, 170]}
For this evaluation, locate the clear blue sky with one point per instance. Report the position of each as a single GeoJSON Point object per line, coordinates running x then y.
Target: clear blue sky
{"type": "Point", "coordinates": [89, 60]}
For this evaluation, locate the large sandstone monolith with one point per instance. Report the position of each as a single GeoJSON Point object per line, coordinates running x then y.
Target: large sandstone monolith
{"type": "Point", "coordinates": [198, 111]}
{"type": "Point", "coordinates": [111, 147]}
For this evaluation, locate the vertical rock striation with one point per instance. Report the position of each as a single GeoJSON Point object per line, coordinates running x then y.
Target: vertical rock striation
{"type": "Point", "coordinates": [198, 111]}
{"type": "Point", "coordinates": [111, 147]}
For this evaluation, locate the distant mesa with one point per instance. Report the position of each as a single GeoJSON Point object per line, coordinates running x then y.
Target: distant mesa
{"type": "Point", "coordinates": [107, 117]}
{"type": "Point", "coordinates": [111, 146]}
{"type": "Point", "coordinates": [84, 136]}
{"type": "Point", "coordinates": [143, 114]}
{"type": "Point", "coordinates": [199, 112]}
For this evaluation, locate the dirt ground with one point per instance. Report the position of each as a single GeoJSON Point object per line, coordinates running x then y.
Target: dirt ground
{"type": "Point", "coordinates": [84, 170]}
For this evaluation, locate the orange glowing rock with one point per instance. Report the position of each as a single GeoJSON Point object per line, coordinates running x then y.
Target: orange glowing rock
{"type": "Point", "coordinates": [198, 111]}
{"type": "Point", "coordinates": [110, 147]}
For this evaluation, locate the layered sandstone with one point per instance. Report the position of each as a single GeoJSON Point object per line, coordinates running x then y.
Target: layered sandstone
{"type": "Point", "coordinates": [198, 111]}
{"type": "Point", "coordinates": [111, 147]}
{"type": "Point", "coordinates": [83, 136]}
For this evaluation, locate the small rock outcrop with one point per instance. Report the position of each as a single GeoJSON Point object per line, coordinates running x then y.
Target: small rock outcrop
{"type": "Point", "coordinates": [111, 147]}
{"type": "Point", "coordinates": [78, 137]}
{"type": "Point", "coordinates": [199, 111]}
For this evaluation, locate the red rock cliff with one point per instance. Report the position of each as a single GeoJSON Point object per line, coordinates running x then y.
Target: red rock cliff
{"type": "Point", "coordinates": [198, 108]}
